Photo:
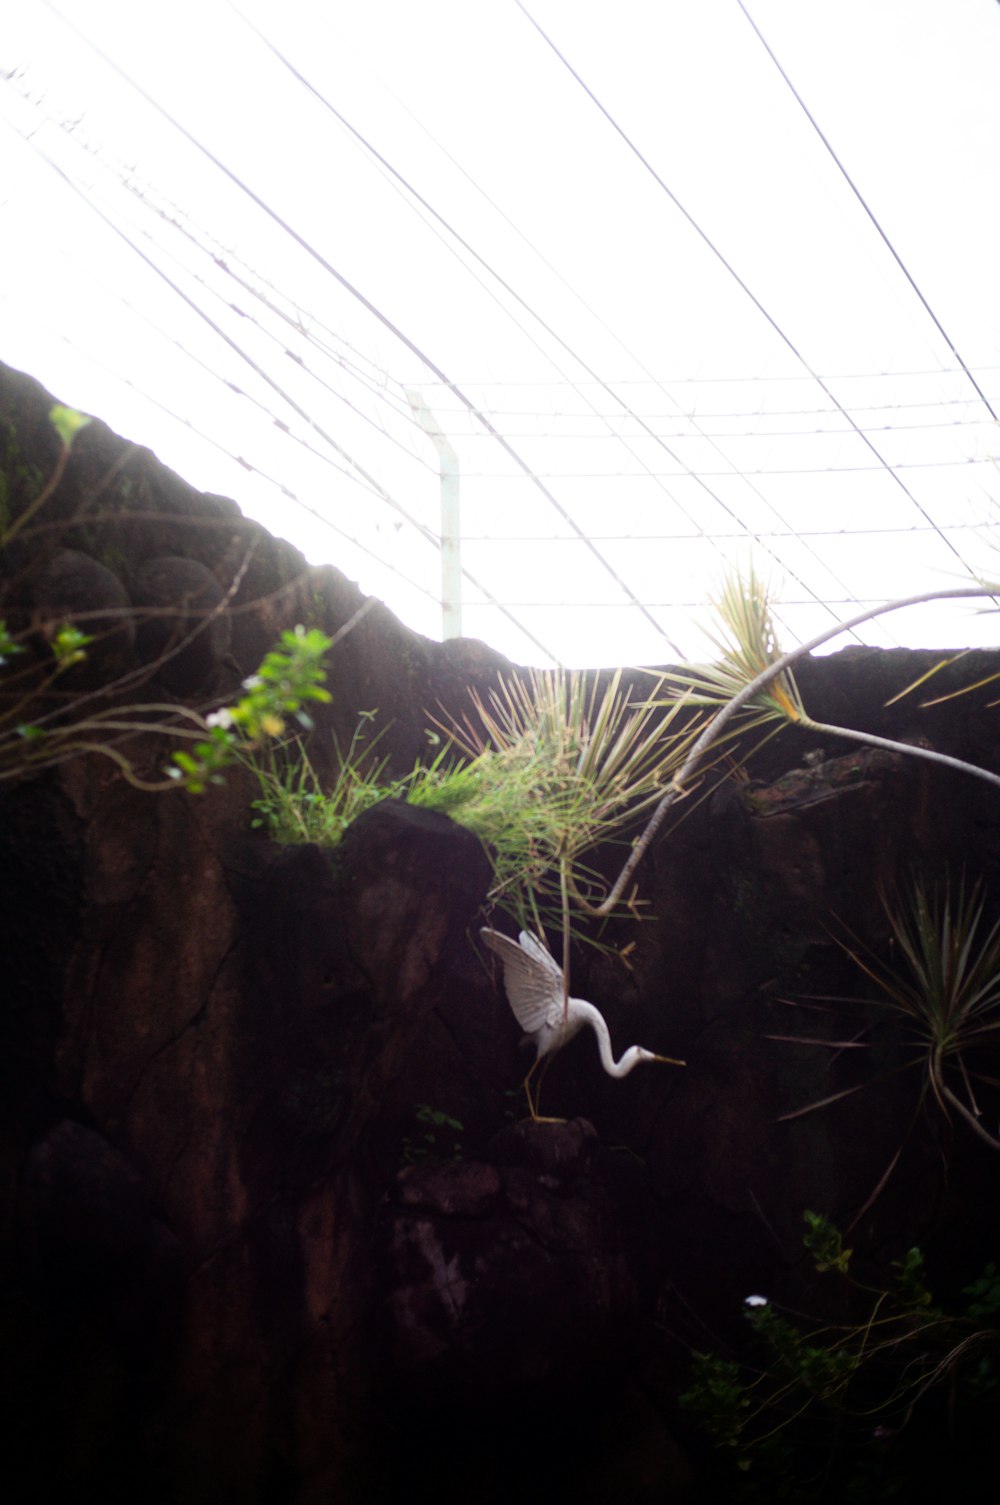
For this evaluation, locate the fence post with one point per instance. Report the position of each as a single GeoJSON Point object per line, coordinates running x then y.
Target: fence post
{"type": "Point", "coordinates": [451, 526]}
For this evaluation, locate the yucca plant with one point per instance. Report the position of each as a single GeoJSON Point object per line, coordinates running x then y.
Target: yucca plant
{"type": "Point", "coordinates": [564, 766]}
{"type": "Point", "coordinates": [544, 770]}
{"type": "Point", "coordinates": [750, 653]}
{"type": "Point", "coordinates": [943, 986]}
{"type": "Point", "coordinates": [746, 637]}
{"type": "Point", "coordinates": [752, 684]}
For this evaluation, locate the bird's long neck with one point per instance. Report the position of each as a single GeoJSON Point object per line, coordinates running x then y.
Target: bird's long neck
{"type": "Point", "coordinates": [587, 1014]}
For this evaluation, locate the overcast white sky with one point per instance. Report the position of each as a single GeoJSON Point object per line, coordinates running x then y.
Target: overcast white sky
{"type": "Point", "coordinates": [669, 413]}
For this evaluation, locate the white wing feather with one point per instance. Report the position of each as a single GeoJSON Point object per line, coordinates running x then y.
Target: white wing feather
{"type": "Point", "coordinates": [532, 979]}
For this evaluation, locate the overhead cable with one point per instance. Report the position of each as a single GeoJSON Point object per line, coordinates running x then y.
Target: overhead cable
{"type": "Point", "coordinates": [512, 292]}
{"type": "Point", "coordinates": [867, 208]}
{"type": "Point", "coordinates": [728, 266]}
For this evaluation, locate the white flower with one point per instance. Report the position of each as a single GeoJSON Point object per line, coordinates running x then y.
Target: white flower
{"type": "Point", "coordinates": [755, 1301]}
{"type": "Point", "coordinates": [252, 682]}
{"type": "Point", "coordinates": [221, 718]}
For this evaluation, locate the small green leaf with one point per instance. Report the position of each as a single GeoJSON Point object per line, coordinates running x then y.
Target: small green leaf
{"type": "Point", "coordinates": [824, 1243]}
{"type": "Point", "coordinates": [69, 646]}
{"type": "Point", "coordinates": [911, 1279]}
{"type": "Point", "coordinates": [8, 644]}
{"type": "Point", "coordinates": [67, 422]}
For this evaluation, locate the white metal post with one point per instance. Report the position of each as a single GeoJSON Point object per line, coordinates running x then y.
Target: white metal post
{"type": "Point", "coordinates": [451, 525]}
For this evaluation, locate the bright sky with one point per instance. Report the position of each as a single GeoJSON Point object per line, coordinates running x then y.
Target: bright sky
{"type": "Point", "coordinates": [651, 279]}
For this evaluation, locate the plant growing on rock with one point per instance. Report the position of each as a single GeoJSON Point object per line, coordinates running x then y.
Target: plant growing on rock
{"type": "Point", "coordinates": [547, 768]}
{"type": "Point", "coordinates": [835, 1410]}
{"type": "Point", "coordinates": [294, 807]}
{"type": "Point", "coordinates": [544, 770]}
{"type": "Point", "coordinates": [752, 685]}
{"type": "Point", "coordinates": [749, 646]}
{"type": "Point", "coordinates": [564, 767]}
{"type": "Point", "coordinates": [941, 985]}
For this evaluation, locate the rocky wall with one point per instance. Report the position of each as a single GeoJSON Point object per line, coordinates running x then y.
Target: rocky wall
{"type": "Point", "coordinates": [273, 1229]}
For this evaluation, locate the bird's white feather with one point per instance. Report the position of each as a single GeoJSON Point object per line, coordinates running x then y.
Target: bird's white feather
{"type": "Point", "coordinates": [540, 953]}
{"type": "Point", "coordinates": [532, 979]}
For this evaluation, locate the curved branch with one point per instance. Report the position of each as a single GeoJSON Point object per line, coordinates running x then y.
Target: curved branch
{"type": "Point", "coordinates": [915, 751]}
{"type": "Point", "coordinates": [728, 711]}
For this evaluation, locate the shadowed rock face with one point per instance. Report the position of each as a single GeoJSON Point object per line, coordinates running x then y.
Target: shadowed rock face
{"type": "Point", "coordinates": [272, 1230]}
{"type": "Point", "coordinates": [184, 629]}
{"type": "Point", "coordinates": [510, 1272]}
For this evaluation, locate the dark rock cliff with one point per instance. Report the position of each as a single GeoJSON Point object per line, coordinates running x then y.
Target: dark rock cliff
{"type": "Point", "coordinates": [271, 1230]}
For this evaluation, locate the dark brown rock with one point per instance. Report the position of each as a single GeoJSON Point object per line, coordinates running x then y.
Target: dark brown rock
{"type": "Point", "coordinates": [216, 1051]}
{"type": "Point", "coordinates": [464, 1189]}
{"type": "Point", "coordinates": [76, 590]}
{"type": "Point", "coordinates": [86, 1230]}
{"type": "Point", "coordinates": [509, 1277]}
{"type": "Point", "coordinates": [183, 634]}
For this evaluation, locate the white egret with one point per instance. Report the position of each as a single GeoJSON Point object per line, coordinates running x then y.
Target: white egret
{"type": "Point", "coordinates": [534, 984]}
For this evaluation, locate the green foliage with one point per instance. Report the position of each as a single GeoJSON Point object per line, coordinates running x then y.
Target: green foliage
{"type": "Point", "coordinates": [18, 479]}
{"type": "Point", "coordinates": [941, 984]}
{"type": "Point", "coordinates": [544, 771]}
{"type": "Point", "coordinates": [747, 640]}
{"type": "Point", "coordinates": [825, 1406]}
{"type": "Point", "coordinates": [9, 646]}
{"type": "Point", "coordinates": [752, 683]}
{"type": "Point", "coordinates": [822, 1369]}
{"type": "Point", "coordinates": [69, 646]}
{"type": "Point", "coordinates": [294, 807]}
{"type": "Point", "coordinates": [716, 1399]}
{"type": "Point", "coordinates": [440, 1139]}
{"type": "Point", "coordinates": [564, 767]}
{"type": "Point", "coordinates": [910, 1281]}
{"type": "Point", "coordinates": [67, 423]}
{"type": "Point", "coordinates": [288, 677]}
{"type": "Point", "coordinates": [824, 1242]}
{"type": "Point", "coordinates": [985, 1293]}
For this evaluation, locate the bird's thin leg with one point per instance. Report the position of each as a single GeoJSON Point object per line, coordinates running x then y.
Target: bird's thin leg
{"type": "Point", "coordinates": [527, 1087]}
{"type": "Point", "coordinates": [536, 1117]}
{"type": "Point", "coordinates": [544, 1062]}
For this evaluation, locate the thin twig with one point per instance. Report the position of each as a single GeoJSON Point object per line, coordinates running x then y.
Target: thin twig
{"type": "Point", "coordinates": [913, 750]}
{"type": "Point", "coordinates": [728, 711]}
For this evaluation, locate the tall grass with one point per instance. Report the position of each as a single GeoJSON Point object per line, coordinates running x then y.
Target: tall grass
{"type": "Point", "coordinates": [544, 769]}
{"type": "Point", "coordinates": [566, 766]}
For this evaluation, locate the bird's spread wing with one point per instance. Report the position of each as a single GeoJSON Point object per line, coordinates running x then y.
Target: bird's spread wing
{"type": "Point", "coordinates": [540, 953]}
{"type": "Point", "coordinates": [531, 977]}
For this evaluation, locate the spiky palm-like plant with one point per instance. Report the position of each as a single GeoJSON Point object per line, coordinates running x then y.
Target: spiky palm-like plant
{"type": "Point", "coordinates": [752, 684]}
{"type": "Point", "coordinates": [942, 986]}
{"type": "Point", "coordinates": [564, 766]}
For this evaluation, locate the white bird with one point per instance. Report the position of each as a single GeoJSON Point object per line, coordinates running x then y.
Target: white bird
{"type": "Point", "coordinates": [534, 984]}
